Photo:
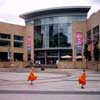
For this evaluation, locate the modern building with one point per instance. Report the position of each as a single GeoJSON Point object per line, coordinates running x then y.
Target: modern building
{"type": "Point", "coordinates": [49, 36]}
{"type": "Point", "coordinates": [53, 32]}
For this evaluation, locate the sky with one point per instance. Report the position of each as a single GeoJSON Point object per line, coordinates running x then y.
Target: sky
{"type": "Point", "coordinates": [11, 9]}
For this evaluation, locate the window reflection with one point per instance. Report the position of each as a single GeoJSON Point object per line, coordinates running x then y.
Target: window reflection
{"type": "Point", "coordinates": [53, 37]}
{"type": "Point", "coordinates": [54, 31]}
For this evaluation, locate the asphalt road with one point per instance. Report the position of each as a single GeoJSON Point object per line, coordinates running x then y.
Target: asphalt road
{"type": "Point", "coordinates": [49, 86]}
{"type": "Point", "coordinates": [48, 97]}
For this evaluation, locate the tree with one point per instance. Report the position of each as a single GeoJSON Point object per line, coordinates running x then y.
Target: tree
{"type": "Point", "coordinates": [96, 54]}
{"type": "Point", "coordinates": [86, 54]}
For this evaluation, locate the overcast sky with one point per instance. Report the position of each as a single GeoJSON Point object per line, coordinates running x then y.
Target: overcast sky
{"type": "Point", "coordinates": [11, 9]}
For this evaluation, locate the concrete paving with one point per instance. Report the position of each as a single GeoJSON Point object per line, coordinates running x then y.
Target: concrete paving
{"type": "Point", "coordinates": [56, 84]}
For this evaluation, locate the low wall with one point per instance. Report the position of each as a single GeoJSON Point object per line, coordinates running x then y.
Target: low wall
{"type": "Point", "coordinates": [12, 65]}
{"type": "Point", "coordinates": [78, 65]}
{"type": "Point", "coordinates": [65, 64]}
{"type": "Point", "coordinates": [94, 65]}
{"type": "Point", "coordinates": [61, 65]}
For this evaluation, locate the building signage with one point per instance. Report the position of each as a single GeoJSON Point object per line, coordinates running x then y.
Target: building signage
{"type": "Point", "coordinates": [29, 40]}
{"type": "Point", "coordinates": [79, 42]}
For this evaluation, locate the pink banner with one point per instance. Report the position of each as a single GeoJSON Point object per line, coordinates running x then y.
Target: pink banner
{"type": "Point", "coordinates": [29, 41]}
{"type": "Point", "coordinates": [79, 38]}
{"type": "Point", "coordinates": [79, 42]}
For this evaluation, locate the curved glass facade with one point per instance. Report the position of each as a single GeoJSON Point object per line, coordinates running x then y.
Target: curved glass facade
{"type": "Point", "coordinates": [53, 33]}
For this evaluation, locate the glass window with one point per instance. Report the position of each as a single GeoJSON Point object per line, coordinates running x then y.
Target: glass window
{"type": "Point", "coordinates": [18, 56]}
{"type": "Point", "coordinates": [4, 36]}
{"type": "Point", "coordinates": [89, 37]}
{"type": "Point", "coordinates": [18, 44]}
{"type": "Point", "coordinates": [52, 53]}
{"type": "Point", "coordinates": [96, 35]}
{"type": "Point", "coordinates": [38, 40]}
{"type": "Point", "coordinates": [54, 31]}
{"type": "Point", "coordinates": [4, 43]}
{"type": "Point", "coordinates": [3, 56]}
{"type": "Point", "coordinates": [17, 37]}
{"type": "Point", "coordinates": [66, 52]}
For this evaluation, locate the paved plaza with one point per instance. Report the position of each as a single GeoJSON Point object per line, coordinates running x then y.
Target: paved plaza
{"type": "Point", "coordinates": [51, 84]}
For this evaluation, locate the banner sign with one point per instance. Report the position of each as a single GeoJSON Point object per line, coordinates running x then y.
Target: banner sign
{"type": "Point", "coordinates": [29, 40]}
{"type": "Point", "coordinates": [79, 42]}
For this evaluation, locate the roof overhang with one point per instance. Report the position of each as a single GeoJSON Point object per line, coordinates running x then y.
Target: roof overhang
{"type": "Point", "coordinates": [71, 9]}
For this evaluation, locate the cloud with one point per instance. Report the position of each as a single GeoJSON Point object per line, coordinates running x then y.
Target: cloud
{"type": "Point", "coordinates": [2, 2]}
{"type": "Point", "coordinates": [11, 9]}
{"type": "Point", "coordinates": [11, 18]}
{"type": "Point", "coordinates": [95, 1]}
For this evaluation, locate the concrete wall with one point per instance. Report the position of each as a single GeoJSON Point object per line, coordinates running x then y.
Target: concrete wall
{"type": "Point", "coordinates": [94, 21]}
{"type": "Point", "coordinates": [70, 64]}
{"type": "Point", "coordinates": [78, 26]}
{"type": "Point", "coordinates": [30, 31]}
{"type": "Point", "coordinates": [12, 30]}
